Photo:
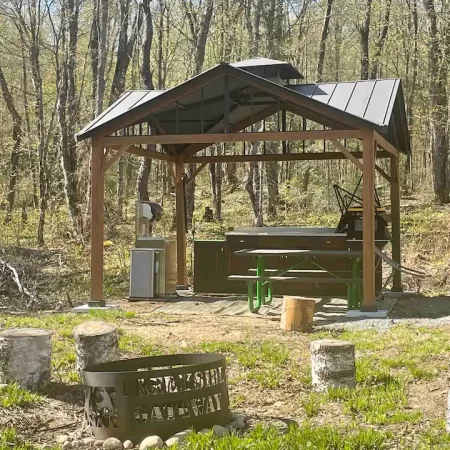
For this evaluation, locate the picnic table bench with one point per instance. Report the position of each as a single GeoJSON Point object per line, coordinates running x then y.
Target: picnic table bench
{"type": "Point", "coordinates": [265, 277]}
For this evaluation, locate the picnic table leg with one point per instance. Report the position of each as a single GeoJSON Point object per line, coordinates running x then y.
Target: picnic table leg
{"type": "Point", "coordinates": [250, 296]}
{"type": "Point", "coordinates": [269, 292]}
{"type": "Point", "coordinates": [260, 291]}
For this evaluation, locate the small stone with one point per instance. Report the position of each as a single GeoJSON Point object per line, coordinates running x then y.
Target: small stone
{"type": "Point", "coordinates": [204, 431]}
{"type": "Point", "coordinates": [90, 442]}
{"type": "Point", "coordinates": [151, 442]}
{"type": "Point", "coordinates": [220, 431]}
{"type": "Point", "coordinates": [178, 438]}
{"type": "Point", "coordinates": [61, 438]}
{"type": "Point", "coordinates": [112, 444]}
{"type": "Point", "coordinates": [67, 445]}
{"type": "Point", "coordinates": [128, 445]}
{"type": "Point", "coordinates": [77, 444]}
{"type": "Point", "coordinates": [238, 422]}
{"type": "Point", "coordinates": [98, 443]}
{"type": "Point", "coordinates": [77, 435]}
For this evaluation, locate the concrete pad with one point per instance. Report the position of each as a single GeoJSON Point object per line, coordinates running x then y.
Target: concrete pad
{"type": "Point", "coordinates": [85, 308]}
{"type": "Point", "coordinates": [356, 314]}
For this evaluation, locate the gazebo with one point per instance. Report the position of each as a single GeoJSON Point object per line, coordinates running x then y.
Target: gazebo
{"type": "Point", "coordinates": [222, 105]}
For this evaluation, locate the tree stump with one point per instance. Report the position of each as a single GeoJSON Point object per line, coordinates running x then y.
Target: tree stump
{"type": "Point", "coordinates": [297, 314]}
{"type": "Point", "coordinates": [96, 342]}
{"type": "Point", "coordinates": [332, 364]}
{"type": "Point", "coordinates": [25, 357]}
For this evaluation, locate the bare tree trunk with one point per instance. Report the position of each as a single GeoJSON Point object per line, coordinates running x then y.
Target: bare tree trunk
{"type": "Point", "coordinates": [323, 40]}
{"type": "Point", "coordinates": [102, 54]}
{"type": "Point", "coordinates": [124, 54]}
{"type": "Point", "coordinates": [376, 71]}
{"type": "Point", "coordinates": [439, 52]}
{"type": "Point", "coordinates": [412, 91]}
{"type": "Point", "coordinates": [364, 30]}
{"type": "Point", "coordinates": [145, 164]}
{"type": "Point", "coordinates": [199, 22]}
{"type": "Point", "coordinates": [93, 44]}
{"type": "Point", "coordinates": [68, 111]}
{"type": "Point", "coordinates": [17, 142]}
{"type": "Point", "coordinates": [253, 179]}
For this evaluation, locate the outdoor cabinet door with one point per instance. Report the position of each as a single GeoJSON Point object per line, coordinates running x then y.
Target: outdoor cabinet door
{"type": "Point", "coordinates": [209, 267]}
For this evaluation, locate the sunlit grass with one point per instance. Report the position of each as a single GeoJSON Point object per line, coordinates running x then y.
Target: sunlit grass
{"type": "Point", "coordinates": [10, 440]}
{"type": "Point", "coordinates": [297, 438]}
{"type": "Point", "coordinates": [13, 396]}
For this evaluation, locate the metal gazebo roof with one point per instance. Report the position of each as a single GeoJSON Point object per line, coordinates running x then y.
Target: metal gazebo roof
{"type": "Point", "coordinates": [372, 104]}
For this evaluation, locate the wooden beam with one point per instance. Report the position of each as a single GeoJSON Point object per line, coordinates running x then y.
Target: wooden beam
{"type": "Point", "coordinates": [369, 299]}
{"type": "Point", "coordinates": [97, 219]}
{"type": "Point", "coordinates": [395, 213]}
{"type": "Point", "coordinates": [181, 221]}
{"type": "Point", "coordinates": [382, 173]}
{"type": "Point", "coordinates": [138, 151]}
{"type": "Point", "coordinates": [212, 138]}
{"type": "Point", "coordinates": [347, 153]}
{"type": "Point", "coordinates": [108, 164]}
{"type": "Point", "coordinates": [383, 143]}
{"type": "Point", "coordinates": [162, 130]}
{"type": "Point", "coordinates": [267, 112]}
{"type": "Point", "coordinates": [196, 172]}
{"type": "Point", "coordinates": [319, 156]}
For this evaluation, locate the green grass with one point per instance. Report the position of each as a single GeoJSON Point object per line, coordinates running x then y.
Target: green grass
{"type": "Point", "coordinates": [10, 440]}
{"type": "Point", "coordinates": [297, 438]}
{"type": "Point", "coordinates": [13, 396]}
{"type": "Point", "coordinates": [313, 403]}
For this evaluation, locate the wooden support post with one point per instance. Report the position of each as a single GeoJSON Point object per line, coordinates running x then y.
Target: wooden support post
{"type": "Point", "coordinates": [395, 213]}
{"type": "Point", "coordinates": [181, 222]}
{"type": "Point", "coordinates": [369, 302]}
{"type": "Point", "coordinates": [97, 219]}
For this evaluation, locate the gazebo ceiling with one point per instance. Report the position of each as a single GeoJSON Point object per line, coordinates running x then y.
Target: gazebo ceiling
{"type": "Point", "coordinates": [198, 105]}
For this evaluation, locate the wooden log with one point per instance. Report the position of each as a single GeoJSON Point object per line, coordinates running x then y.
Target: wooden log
{"type": "Point", "coordinates": [332, 364]}
{"type": "Point", "coordinates": [96, 342]}
{"type": "Point", "coordinates": [25, 357]}
{"type": "Point", "coordinates": [297, 314]}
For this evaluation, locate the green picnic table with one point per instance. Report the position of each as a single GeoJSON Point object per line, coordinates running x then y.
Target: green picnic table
{"type": "Point", "coordinates": [265, 277]}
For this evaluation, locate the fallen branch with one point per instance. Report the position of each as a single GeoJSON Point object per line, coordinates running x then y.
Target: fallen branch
{"type": "Point", "coordinates": [22, 289]}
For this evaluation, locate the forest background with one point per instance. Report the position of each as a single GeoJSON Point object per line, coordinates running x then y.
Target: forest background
{"type": "Point", "coordinates": [62, 62]}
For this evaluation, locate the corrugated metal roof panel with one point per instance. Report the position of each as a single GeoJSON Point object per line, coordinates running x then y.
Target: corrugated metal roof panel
{"type": "Point", "coordinates": [358, 101]}
{"type": "Point", "coordinates": [341, 95]}
{"type": "Point", "coordinates": [380, 101]}
{"type": "Point", "coordinates": [371, 100]}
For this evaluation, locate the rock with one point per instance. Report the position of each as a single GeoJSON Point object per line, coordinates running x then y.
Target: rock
{"type": "Point", "coordinates": [204, 431]}
{"type": "Point", "coordinates": [90, 442]}
{"type": "Point", "coordinates": [112, 444]}
{"type": "Point", "coordinates": [77, 444]}
{"type": "Point", "coordinates": [61, 438]}
{"type": "Point", "coordinates": [178, 438]}
{"type": "Point", "coordinates": [77, 435]}
{"type": "Point", "coordinates": [67, 445]}
{"type": "Point", "coordinates": [128, 445]}
{"type": "Point", "coordinates": [151, 442]}
{"type": "Point", "coordinates": [238, 421]}
{"type": "Point", "coordinates": [220, 431]}
{"type": "Point", "coordinates": [98, 443]}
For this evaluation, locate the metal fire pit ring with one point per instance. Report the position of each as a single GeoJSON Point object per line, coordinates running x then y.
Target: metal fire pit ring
{"type": "Point", "coordinates": [157, 395]}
